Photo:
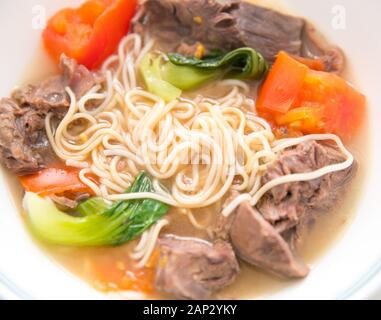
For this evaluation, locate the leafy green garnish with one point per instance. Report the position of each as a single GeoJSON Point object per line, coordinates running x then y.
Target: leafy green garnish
{"type": "Point", "coordinates": [101, 224]}
{"type": "Point", "coordinates": [92, 206]}
{"type": "Point", "coordinates": [243, 63]}
{"type": "Point", "coordinates": [150, 70]}
{"type": "Point", "coordinates": [167, 76]}
{"type": "Point", "coordinates": [188, 78]}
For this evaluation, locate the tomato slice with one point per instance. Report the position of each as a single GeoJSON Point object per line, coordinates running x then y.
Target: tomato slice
{"type": "Point", "coordinates": [314, 64]}
{"type": "Point", "coordinates": [338, 107]}
{"type": "Point", "coordinates": [305, 119]}
{"type": "Point", "coordinates": [310, 101]}
{"type": "Point", "coordinates": [57, 179]}
{"type": "Point", "coordinates": [282, 85]}
{"type": "Point", "coordinates": [90, 33]}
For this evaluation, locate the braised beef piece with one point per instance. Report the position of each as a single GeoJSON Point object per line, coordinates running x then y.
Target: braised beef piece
{"type": "Point", "coordinates": [315, 46]}
{"type": "Point", "coordinates": [67, 203]}
{"type": "Point", "coordinates": [78, 77]}
{"type": "Point", "coordinates": [64, 203]}
{"type": "Point", "coordinates": [24, 147]}
{"type": "Point", "coordinates": [230, 24]}
{"type": "Point", "coordinates": [221, 228]}
{"type": "Point", "coordinates": [257, 242]}
{"type": "Point", "coordinates": [22, 140]}
{"type": "Point", "coordinates": [265, 236]}
{"type": "Point", "coordinates": [50, 94]}
{"type": "Point", "coordinates": [194, 269]}
{"type": "Point", "coordinates": [285, 206]}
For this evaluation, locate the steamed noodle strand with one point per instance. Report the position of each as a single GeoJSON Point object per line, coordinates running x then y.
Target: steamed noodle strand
{"type": "Point", "coordinates": [201, 147]}
{"type": "Point", "coordinates": [144, 249]}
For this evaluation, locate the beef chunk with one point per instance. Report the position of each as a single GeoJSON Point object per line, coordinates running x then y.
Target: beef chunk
{"type": "Point", "coordinates": [257, 242]}
{"type": "Point", "coordinates": [67, 204]}
{"type": "Point", "coordinates": [78, 77]}
{"type": "Point", "coordinates": [194, 269]}
{"type": "Point", "coordinates": [222, 227]}
{"type": "Point", "coordinates": [314, 46]}
{"type": "Point", "coordinates": [21, 137]}
{"type": "Point", "coordinates": [266, 236]}
{"type": "Point", "coordinates": [285, 206]}
{"type": "Point", "coordinates": [268, 30]}
{"type": "Point", "coordinates": [230, 24]}
{"type": "Point", "coordinates": [24, 146]}
{"type": "Point", "coordinates": [64, 203]}
{"type": "Point", "coordinates": [50, 94]}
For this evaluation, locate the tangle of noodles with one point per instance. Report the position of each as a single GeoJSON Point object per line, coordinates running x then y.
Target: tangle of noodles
{"type": "Point", "coordinates": [145, 247]}
{"type": "Point", "coordinates": [204, 147]}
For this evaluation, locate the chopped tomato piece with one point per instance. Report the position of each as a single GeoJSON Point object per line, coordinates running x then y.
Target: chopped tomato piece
{"type": "Point", "coordinates": [57, 179]}
{"type": "Point", "coordinates": [282, 85]}
{"type": "Point", "coordinates": [314, 64]}
{"type": "Point", "coordinates": [306, 119]}
{"type": "Point", "coordinates": [115, 276]}
{"type": "Point", "coordinates": [113, 272]}
{"type": "Point", "coordinates": [90, 33]}
{"type": "Point", "coordinates": [321, 103]}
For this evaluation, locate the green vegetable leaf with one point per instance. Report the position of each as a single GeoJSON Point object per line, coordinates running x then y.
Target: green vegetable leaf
{"type": "Point", "coordinates": [92, 206]}
{"type": "Point", "coordinates": [102, 225]}
{"type": "Point", "coordinates": [168, 77]}
{"type": "Point", "coordinates": [150, 70]}
{"type": "Point", "coordinates": [243, 63]}
{"type": "Point", "coordinates": [188, 77]}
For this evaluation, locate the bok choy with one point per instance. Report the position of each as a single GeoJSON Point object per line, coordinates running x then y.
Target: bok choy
{"type": "Point", "coordinates": [164, 74]}
{"type": "Point", "coordinates": [150, 70]}
{"type": "Point", "coordinates": [100, 223]}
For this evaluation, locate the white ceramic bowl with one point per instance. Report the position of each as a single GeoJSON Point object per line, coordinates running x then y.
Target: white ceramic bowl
{"type": "Point", "coordinates": [351, 268]}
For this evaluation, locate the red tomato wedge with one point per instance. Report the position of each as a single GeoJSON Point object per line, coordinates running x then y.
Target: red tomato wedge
{"type": "Point", "coordinates": [314, 64]}
{"type": "Point", "coordinates": [90, 33]}
{"type": "Point", "coordinates": [338, 106]}
{"type": "Point", "coordinates": [57, 179]}
{"type": "Point", "coordinates": [282, 85]}
{"type": "Point", "coordinates": [312, 102]}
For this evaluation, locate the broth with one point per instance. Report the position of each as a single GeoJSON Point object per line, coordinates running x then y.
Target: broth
{"type": "Point", "coordinates": [251, 282]}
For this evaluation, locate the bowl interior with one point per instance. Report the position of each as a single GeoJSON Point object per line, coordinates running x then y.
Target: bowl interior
{"type": "Point", "coordinates": [348, 269]}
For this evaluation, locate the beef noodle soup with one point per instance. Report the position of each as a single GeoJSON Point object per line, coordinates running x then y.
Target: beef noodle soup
{"type": "Point", "coordinates": [207, 149]}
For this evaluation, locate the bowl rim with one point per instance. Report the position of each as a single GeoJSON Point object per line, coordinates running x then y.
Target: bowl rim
{"type": "Point", "coordinates": [361, 289]}
{"type": "Point", "coordinates": [363, 286]}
